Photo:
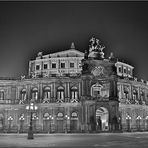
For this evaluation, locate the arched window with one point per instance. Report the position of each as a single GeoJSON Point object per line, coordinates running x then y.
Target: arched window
{"type": "Point", "coordinates": [1, 94]}
{"type": "Point", "coordinates": [60, 94]}
{"type": "Point", "coordinates": [135, 96]}
{"type": "Point", "coordinates": [96, 90]}
{"type": "Point", "coordinates": [34, 116]}
{"type": "Point", "coordinates": [46, 116]}
{"type": "Point", "coordinates": [34, 94]}
{"type": "Point", "coordinates": [22, 96]}
{"type": "Point", "coordinates": [22, 117]}
{"type": "Point", "coordinates": [126, 93]}
{"type": "Point", "coordinates": [74, 115]}
{"type": "Point", "coordinates": [74, 94]}
{"type": "Point", "coordinates": [142, 99]}
{"type": "Point", "coordinates": [60, 115]}
{"type": "Point", "coordinates": [135, 93]}
{"type": "Point", "coordinates": [46, 95]}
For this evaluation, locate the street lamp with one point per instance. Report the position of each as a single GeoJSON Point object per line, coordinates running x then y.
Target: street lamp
{"type": "Point", "coordinates": [146, 118]}
{"type": "Point", "coordinates": [66, 118]}
{"type": "Point", "coordinates": [128, 118]}
{"type": "Point", "coordinates": [10, 119]}
{"type": "Point", "coordinates": [138, 120]}
{"type": "Point", "coordinates": [31, 107]}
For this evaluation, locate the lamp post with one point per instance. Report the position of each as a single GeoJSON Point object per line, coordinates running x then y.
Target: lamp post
{"type": "Point", "coordinates": [31, 107]}
{"type": "Point", "coordinates": [128, 118]}
{"type": "Point", "coordinates": [66, 118]}
{"type": "Point", "coordinates": [10, 119]}
{"type": "Point", "coordinates": [146, 118]}
{"type": "Point", "coordinates": [120, 123]}
{"type": "Point", "coordinates": [138, 121]}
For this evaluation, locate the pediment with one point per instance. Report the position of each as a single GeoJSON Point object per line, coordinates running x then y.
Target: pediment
{"type": "Point", "coordinates": [67, 53]}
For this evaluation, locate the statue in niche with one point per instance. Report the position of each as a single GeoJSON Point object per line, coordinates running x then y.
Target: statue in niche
{"type": "Point", "coordinates": [84, 67]}
{"type": "Point", "coordinates": [86, 55]}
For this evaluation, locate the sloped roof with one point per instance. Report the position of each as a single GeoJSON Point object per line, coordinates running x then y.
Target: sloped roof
{"type": "Point", "coordinates": [68, 53]}
{"type": "Point", "coordinates": [72, 52]}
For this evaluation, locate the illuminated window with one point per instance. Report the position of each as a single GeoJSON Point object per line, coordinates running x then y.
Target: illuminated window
{"type": "Point", "coordinates": [1, 95]}
{"type": "Point", "coordinates": [135, 94]}
{"type": "Point", "coordinates": [23, 94]}
{"type": "Point", "coordinates": [62, 65]}
{"type": "Point", "coordinates": [46, 115]}
{"type": "Point", "coordinates": [45, 66]}
{"type": "Point", "coordinates": [47, 92]}
{"type": "Point", "coordinates": [74, 94]}
{"type": "Point", "coordinates": [53, 65]}
{"type": "Point", "coordinates": [37, 67]}
{"type": "Point", "coordinates": [129, 71]}
{"type": "Point", "coordinates": [125, 71]}
{"type": "Point", "coordinates": [60, 93]}
{"type": "Point", "coordinates": [80, 64]}
{"type": "Point", "coordinates": [71, 65]}
{"type": "Point", "coordinates": [96, 90]}
{"type": "Point", "coordinates": [126, 93]}
{"type": "Point", "coordinates": [142, 98]}
{"type": "Point", "coordinates": [35, 94]}
{"type": "Point", "coordinates": [74, 115]}
{"type": "Point", "coordinates": [120, 69]}
{"type": "Point", "coordinates": [60, 115]}
{"type": "Point", "coordinates": [119, 92]}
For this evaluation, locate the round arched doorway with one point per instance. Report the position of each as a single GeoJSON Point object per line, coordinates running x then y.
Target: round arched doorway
{"type": "Point", "coordinates": [102, 117]}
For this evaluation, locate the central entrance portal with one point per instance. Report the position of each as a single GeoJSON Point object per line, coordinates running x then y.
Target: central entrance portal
{"type": "Point", "coordinates": [102, 117]}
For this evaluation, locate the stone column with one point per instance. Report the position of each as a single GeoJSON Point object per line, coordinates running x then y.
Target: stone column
{"type": "Point", "coordinates": [28, 93]}
{"type": "Point", "coordinates": [68, 91]}
{"type": "Point", "coordinates": [54, 91]}
{"type": "Point", "coordinates": [80, 89]}
{"type": "Point", "coordinates": [40, 93]}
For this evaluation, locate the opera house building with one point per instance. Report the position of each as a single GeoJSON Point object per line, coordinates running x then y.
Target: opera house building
{"type": "Point", "coordinates": [72, 91]}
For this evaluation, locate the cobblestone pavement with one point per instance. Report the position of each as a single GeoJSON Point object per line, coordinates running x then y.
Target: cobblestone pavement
{"type": "Point", "coordinates": [101, 140]}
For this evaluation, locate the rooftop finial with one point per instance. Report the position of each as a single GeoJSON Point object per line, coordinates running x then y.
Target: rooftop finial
{"type": "Point", "coordinates": [40, 54]}
{"type": "Point", "coordinates": [111, 57]}
{"type": "Point", "coordinates": [72, 45]}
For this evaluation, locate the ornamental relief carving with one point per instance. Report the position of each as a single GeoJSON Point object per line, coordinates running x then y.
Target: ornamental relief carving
{"type": "Point", "coordinates": [98, 71]}
{"type": "Point", "coordinates": [76, 84]}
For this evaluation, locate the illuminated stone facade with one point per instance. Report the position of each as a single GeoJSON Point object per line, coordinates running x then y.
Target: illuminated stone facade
{"type": "Point", "coordinates": [75, 92]}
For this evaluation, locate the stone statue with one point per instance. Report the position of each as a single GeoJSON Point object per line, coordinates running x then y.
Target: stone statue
{"type": "Point", "coordinates": [85, 55]}
{"type": "Point", "coordinates": [85, 67]}
{"type": "Point", "coordinates": [23, 77]}
{"type": "Point", "coordinates": [96, 49]}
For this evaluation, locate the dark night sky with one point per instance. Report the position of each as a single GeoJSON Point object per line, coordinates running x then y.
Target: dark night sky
{"type": "Point", "coordinates": [29, 27]}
